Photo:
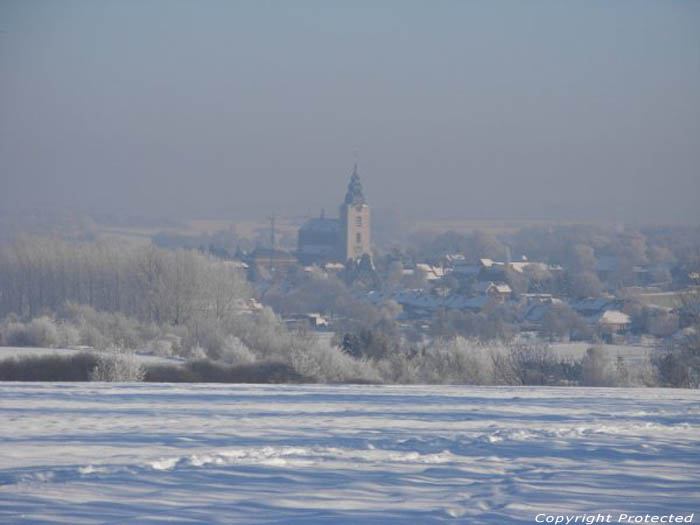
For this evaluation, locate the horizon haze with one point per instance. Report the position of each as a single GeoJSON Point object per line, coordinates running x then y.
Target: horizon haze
{"type": "Point", "coordinates": [455, 110]}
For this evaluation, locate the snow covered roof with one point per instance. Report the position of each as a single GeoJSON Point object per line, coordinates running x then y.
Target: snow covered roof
{"type": "Point", "coordinates": [241, 265]}
{"type": "Point", "coordinates": [432, 273]}
{"type": "Point", "coordinates": [487, 286]}
{"type": "Point", "coordinates": [612, 317]}
{"type": "Point", "coordinates": [520, 266]}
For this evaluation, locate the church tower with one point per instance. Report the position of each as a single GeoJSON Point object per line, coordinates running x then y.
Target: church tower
{"type": "Point", "coordinates": [354, 222]}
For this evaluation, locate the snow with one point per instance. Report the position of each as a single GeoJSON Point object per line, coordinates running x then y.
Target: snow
{"type": "Point", "coordinates": [153, 453]}
{"type": "Point", "coordinates": [613, 317]}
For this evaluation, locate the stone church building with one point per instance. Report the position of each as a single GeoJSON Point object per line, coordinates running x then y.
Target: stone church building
{"type": "Point", "coordinates": [323, 240]}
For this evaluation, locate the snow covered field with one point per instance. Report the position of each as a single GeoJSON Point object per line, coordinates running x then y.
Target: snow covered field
{"type": "Point", "coordinates": [149, 453]}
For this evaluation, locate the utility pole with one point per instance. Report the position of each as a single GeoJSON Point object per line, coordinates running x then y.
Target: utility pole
{"type": "Point", "coordinates": [272, 219]}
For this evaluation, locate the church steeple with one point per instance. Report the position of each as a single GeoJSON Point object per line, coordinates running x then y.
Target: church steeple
{"type": "Point", "coordinates": [354, 238]}
{"type": "Point", "coordinates": [354, 195]}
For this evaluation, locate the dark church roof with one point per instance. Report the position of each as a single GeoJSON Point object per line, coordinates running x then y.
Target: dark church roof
{"type": "Point", "coordinates": [354, 195]}
{"type": "Point", "coordinates": [321, 225]}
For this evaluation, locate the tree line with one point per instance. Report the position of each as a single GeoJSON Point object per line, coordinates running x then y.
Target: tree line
{"type": "Point", "coordinates": [39, 274]}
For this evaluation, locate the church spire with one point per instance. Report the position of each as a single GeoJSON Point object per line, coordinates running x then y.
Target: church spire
{"type": "Point", "coordinates": [354, 195]}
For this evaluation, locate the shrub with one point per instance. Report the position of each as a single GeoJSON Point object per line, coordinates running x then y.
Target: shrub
{"type": "Point", "coordinates": [115, 365]}
{"type": "Point", "coordinates": [456, 361]}
{"type": "Point", "coordinates": [533, 364]}
{"type": "Point", "coordinates": [91, 336]}
{"type": "Point", "coordinates": [264, 372]}
{"type": "Point", "coordinates": [598, 368]}
{"type": "Point", "coordinates": [161, 347]}
{"type": "Point", "coordinates": [374, 343]}
{"type": "Point", "coordinates": [205, 338]}
{"type": "Point", "coordinates": [75, 367]}
{"type": "Point", "coordinates": [402, 366]}
{"type": "Point", "coordinates": [329, 364]}
{"type": "Point", "coordinates": [235, 351]}
{"type": "Point", "coordinates": [195, 353]}
{"type": "Point", "coordinates": [15, 334]}
{"type": "Point", "coordinates": [68, 335]}
{"type": "Point", "coordinates": [678, 367]}
{"type": "Point", "coordinates": [679, 364]}
{"type": "Point", "coordinates": [265, 334]}
{"type": "Point", "coordinates": [101, 330]}
{"type": "Point", "coordinates": [169, 374]}
{"type": "Point", "coordinates": [41, 332]}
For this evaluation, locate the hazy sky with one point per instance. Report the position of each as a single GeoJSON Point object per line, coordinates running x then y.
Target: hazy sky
{"type": "Point", "coordinates": [457, 109]}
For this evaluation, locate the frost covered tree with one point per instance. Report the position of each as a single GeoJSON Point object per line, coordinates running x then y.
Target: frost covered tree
{"type": "Point", "coordinates": [598, 368]}
{"type": "Point", "coordinates": [679, 365]}
{"type": "Point", "coordinates": [147, 283]}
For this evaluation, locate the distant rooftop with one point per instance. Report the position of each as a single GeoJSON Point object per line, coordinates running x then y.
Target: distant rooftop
{"type": "Point", "coordinates": [321, 224]}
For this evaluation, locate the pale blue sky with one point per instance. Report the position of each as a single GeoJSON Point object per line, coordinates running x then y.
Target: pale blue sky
{"type": "Point", "coordinates": [543, 109]}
